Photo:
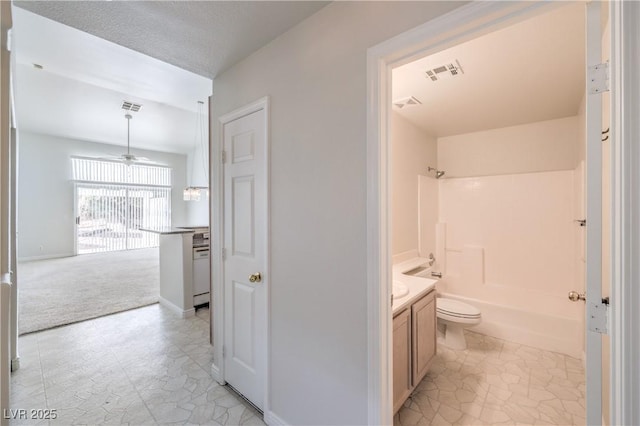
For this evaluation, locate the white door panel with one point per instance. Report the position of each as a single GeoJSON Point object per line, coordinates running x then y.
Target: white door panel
{"type": "Point", "coordinates": [243, 334]}
{"type": "Point", "coordinates": [245, 240]}
{"type": "Point", "coordinates": [243, 194]}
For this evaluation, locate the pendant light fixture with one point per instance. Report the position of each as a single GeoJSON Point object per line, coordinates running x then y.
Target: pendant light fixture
{"type": "Point", "coordinates": [191, 192]}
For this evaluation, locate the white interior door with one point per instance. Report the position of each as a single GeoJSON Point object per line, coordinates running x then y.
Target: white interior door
{"type": "Point", "coordinates": [245, 243]}
{"type": "Point", "coordinates": [596, 310]}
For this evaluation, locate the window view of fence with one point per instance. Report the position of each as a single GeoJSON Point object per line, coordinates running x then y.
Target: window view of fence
{"type": "Point", "coordinates": [113, 201]}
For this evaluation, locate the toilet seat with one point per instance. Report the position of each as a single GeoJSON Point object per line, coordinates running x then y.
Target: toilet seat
{"type": "Point", "coordinates": [456, 310]}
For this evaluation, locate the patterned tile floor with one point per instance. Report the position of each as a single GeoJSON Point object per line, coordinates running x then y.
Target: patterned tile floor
{"type": "Point", "coordinates": [144, 366]}
{"type": "Point", "coordinates": [497, 382]}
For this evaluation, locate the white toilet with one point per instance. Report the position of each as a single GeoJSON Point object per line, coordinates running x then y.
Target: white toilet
{"type": "Point", "coordinates": [453, 317]}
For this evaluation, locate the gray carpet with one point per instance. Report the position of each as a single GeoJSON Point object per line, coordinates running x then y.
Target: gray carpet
{"type": "Point", "coordinates": [62, 291]}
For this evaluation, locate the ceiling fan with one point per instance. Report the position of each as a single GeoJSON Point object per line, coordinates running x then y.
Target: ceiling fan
{"type": "Point", "coordinates": [129, 158]}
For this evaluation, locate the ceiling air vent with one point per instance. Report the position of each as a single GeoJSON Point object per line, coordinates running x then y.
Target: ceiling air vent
{"type": "Point", "coordinates": [410, 101]}
{"type": "Point", "coordinates": [130, 106]}
{"type": "Point", "coordinates": [445, 71]}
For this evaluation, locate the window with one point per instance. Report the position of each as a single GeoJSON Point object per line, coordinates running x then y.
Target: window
{"type": "Point", "coordinates": [114, 200]}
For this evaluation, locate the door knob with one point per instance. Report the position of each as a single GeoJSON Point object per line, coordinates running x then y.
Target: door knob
{"type": "Point", "coordinates": [574, 296]}
{"type": "Point", "coordinates": [255, 278]}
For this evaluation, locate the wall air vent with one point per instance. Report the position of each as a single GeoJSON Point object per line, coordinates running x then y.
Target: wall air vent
{"type": "Point", "coordinates": [444, 71]}
{"type": "Point", "coordinates": [410, 101]}
{"type": "Point", "coordinates": [130, 106]}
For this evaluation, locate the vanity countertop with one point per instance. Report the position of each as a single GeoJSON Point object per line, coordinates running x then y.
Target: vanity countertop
{"type": "Point", "coordinates": [418, 286]}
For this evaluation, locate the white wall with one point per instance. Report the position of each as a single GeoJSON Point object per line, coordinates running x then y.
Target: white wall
{"type": "Point", "coordinates": [46, 192]}
{"type": "Point", "coordinates": [412, 150]}
{"type": "Point", "coordinates": [316, 77]}
{"type": "Point", "coordinates": [541, 146]}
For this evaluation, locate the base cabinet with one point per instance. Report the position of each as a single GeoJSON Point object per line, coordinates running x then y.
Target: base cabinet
{"type": "Point", "coordinates": [401, 358]}
{"type": "Point", "coordinates": [414, 346]}
{"type": "Point", "coordinates": [423, 336]}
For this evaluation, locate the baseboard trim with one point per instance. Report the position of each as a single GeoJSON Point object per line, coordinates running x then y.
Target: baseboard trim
{"type": "Point", "coordinates": [216, 375]}
{"type": "Point", "coordinates": [272, 420]}
{"type": "Point", "coordinates": [44, 257]}
{"type": "Point", "coordinates": [183, 313]}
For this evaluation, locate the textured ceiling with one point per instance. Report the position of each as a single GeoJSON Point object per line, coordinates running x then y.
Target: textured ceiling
{"type": "Point", "coordinates": [205, 37]}
{"type": "Point", "coordinates": [528, 72]}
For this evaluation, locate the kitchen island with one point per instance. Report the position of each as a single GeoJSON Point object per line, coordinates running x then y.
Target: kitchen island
{"type": "Point", "coordinates": [176, 273]}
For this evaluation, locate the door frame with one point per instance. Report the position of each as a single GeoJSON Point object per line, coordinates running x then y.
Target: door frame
{"type": "Point", "coordinates": [217, 241]}
{"type": "Point", "coordinates": [462, 24]}
{"type": "Point", "coordinates": [8, 296]}
{"type": "Point", "coordinates": [76, 226]}
{"type": "Point", "coordinates": [624, 316]}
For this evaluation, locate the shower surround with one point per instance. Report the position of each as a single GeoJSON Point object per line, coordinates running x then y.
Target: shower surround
{"type": "Point", "coordinates": [509, 245]}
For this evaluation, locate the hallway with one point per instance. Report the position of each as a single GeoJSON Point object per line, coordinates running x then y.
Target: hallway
{"type": "Point", "coordinates": [144, 366]}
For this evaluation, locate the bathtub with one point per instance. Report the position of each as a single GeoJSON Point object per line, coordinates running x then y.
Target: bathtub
{"type": "Point", "coordinates": [545, 328]}
{"type": "Point", "coordinates": [539, 330]}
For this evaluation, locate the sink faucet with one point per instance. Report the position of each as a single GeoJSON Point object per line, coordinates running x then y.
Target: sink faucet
{"type": "Point", "coordinates": [436, 274]}
{"type": "Point", "coordinates": [432, 259]}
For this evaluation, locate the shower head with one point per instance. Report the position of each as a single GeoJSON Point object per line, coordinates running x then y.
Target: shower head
{"type": "Point", "coordinates": [439, 173]}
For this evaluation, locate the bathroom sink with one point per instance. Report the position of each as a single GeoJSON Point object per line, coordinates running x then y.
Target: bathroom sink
{"type": "Point", "coordinates": [400, 290]}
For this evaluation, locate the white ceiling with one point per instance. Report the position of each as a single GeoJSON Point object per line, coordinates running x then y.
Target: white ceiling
{"type": "Point", "coordinates": [531, 71]}
{"type": "Point", "coordinates": [49, 103]}
{"type": "Point", "coordinates": [79, 92]}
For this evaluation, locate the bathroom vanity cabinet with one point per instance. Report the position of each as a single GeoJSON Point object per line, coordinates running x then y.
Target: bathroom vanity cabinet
{"type": "Point", "coordinates": [414, 346]}
{"type": "Point", "coordinates": [401, 358]}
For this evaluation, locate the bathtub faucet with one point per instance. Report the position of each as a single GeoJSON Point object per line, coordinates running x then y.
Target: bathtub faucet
{"type": "Point", "coordinates": [436, 274]}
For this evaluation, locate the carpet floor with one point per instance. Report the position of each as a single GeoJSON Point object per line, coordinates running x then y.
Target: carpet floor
{"type": "Point", "coordinates": [62, 291]}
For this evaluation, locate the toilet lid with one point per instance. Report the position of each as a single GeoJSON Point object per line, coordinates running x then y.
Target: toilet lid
{"type": "Point", "coordinates": [457, 308]}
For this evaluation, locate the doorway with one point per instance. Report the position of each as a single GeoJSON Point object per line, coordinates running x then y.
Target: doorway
{"type": "Point", "coordinates": [472, 21]}
{"type": "Point", "coordinates": [89, 180]}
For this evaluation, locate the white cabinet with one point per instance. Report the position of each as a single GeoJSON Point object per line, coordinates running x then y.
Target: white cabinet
{"type": "Point", "coordinates": [176, 272]}
{"type": "Point", "coordinates": [414, 346]}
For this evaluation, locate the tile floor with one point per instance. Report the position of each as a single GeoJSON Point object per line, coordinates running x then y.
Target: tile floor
{"type": "Point", "coordinates": [497, 382]}
{"type": "Point", "coordinates": [144, 366]}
